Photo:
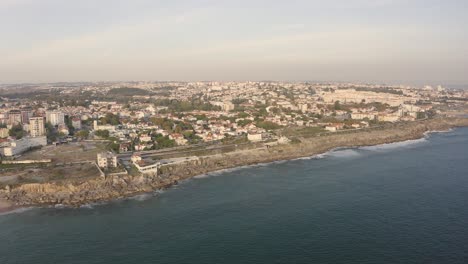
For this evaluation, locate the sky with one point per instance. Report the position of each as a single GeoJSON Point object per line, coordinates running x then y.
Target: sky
{"type": "Point", "coordinates": [384, 41]}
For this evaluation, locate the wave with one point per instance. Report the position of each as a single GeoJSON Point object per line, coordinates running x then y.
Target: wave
{"type": "Point", "coordinates": [343, 153]}
{"type": "Point", "coordinates": [395, 145]}
{"type": "Point", "coordinates": [219, 172]}
{"type": "Point", "coordinates": [88, 206]}
{"type": "Point", "coordinates": [141, 197]}
{"type": "Point", "coordinates": [17, 210]}
{"type": "Point", "coordinates": [223, 171]}
{"type": "Point", "coordinates": [428, 133]}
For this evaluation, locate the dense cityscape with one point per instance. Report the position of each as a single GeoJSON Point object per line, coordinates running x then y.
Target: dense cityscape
{"type": "Point", "coordinates": [134, 117]}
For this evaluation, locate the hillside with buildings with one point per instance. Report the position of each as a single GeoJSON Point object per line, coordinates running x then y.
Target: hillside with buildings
{"type": "Point", "coordinates": [61, 134]}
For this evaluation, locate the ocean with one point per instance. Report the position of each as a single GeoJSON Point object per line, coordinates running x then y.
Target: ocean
{"type": "Point", "coordinates": [397, 203]}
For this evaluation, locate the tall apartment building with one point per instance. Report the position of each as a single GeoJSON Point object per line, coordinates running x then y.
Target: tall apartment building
{"type": "Point", "coordinates": [36, 126]}
{"type": "Point", "coordinates": [55, 117]}
{"type": "Point", "coordinates": [14, 117]}
{"type": "Point", "coordinates": [26, 113]}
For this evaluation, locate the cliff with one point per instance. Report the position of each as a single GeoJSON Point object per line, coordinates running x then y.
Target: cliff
{"type": "Point", "coordinates": [112, 187]}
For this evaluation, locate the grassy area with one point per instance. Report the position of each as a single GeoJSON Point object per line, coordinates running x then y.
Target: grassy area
{"type": "Point", "coordinates": [50, 173]}
{"type": "Point", "coordinates": [304, 132]}
{"type": "Point", "coordinates": [72, 152]}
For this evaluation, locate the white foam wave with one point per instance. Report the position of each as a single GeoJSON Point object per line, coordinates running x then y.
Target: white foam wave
{"type": "Point", "coordinates": [141, 197]}
{"type": "Point", "coordinates": [438, 131]}
{"type": "Point", "coordinates": [17, 210]}
{"type": "Point", "coordinates": [60, 206]}
{"type": "Point", "coordinates": [390, 146]}
{"type": "Point", "coordinates": [343, 153]}
{"type": "Point", "coordinates": [88, 206]}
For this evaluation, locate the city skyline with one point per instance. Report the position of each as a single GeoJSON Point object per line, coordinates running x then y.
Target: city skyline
{"type": "Point", "coordinates": [387, 41]}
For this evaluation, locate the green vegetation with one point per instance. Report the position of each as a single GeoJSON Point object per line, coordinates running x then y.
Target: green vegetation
{"type": "Point", "coordinates": [267, 125]}
{"type": "Point", "coordinates": [295, 140]}
{"type": "Point", "coordinates": [110, 119]}
{"type": "Point", "coordinates": [242, 115]}
{"type": "Point", "coordinates": [229, 139]}
{"type": "Point", "coordinates": [337, 106]}
{"type": "Point", "coordinates": [305, 132]}
{"type": "Point", "coordinates": [164, 142]}
{"type": "Point", "coordinates": [102, 133]}
{"type": "Point", "coordinates": [421, 115]}
{"type": "Point", "coordinates": [191, 137]}
{"type": "Point", "coordinates": [115, 147]}
{"type": "Point", "coordinates": [83, 134]}
{"type": "Point", "coordinates": [69, 124]}
{"type": "Point", "coordinates": [51, 132]}
{"type": "Point", "coordinates": [163, 123]}
{"type": "Point", "coordinates": [244, 122]}
{"type": "Point", "coordinates": [17, 132]}
{"type": "Point", "coordinates": [239, 101]}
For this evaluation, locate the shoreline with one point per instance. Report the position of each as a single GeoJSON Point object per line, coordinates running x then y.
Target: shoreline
{"type": "Point", "coordinates": [48, 194]}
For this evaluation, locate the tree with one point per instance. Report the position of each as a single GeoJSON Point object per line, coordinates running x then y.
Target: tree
{"type": "Point", "coordinates": [102, 133]}
{"type": "Point", "coordinates": [242, 115]}
{"type": "Point", "coordinates": [110, 119]}
{"type": "Point", "coordinates": [164, 142]}
{"type": "Point", "coordinates": [83, 134]}
{"type": "Point", "coordinates": [337, 105]}
{"type": "Point", "coordinates": [244, 122]}
{"type": "Point", "coordinates": [421, 115]}
{"type": "Point", "coordinates": [51, 132]}
{"type": "Point", "coordinates": [68, 122]}
{"type": "Point", "coordinates": [17, 132]}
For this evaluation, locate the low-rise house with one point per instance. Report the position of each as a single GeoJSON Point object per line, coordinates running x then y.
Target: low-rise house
{"type": "Point", "coordinates": [255, 136]}
{"type": "Point", "coordinates": [145, 138]}
{"type": "Point", "coordinates": [4, 132]}
{"type": "Point", "coordinates": [334, 127]}
{"type": "Point", "coordinates": [17, 147]}
{"type": "Point", "coordinates": [76, 123]}
{"type": "Point", "coordinates": [179, 139]}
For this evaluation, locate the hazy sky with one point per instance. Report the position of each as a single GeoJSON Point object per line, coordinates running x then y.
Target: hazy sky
{"type": "Point", "coordinates": [355, 40]}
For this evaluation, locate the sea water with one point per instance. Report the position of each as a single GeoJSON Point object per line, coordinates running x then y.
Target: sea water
{"type": "Point", "coordinates": [397, 203]}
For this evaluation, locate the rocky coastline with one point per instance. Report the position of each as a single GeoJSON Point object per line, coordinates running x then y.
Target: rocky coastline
{"type": "Point", "coordinates": [75, 194]}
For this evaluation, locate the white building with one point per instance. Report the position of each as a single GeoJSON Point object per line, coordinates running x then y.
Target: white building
{"type": "Point", "coordinates": [102, 127]}
{"type": "Point", "coordinates": [36, 126]}
{"type": "Point", "coordinates": [389, 117]}
{"type": "Point", "coordinates": [228, 106]}
{"type": "Point", "coordinates": [107, 160]}
{"type": "Point", "coordinates": [360, 116]}
{"type": "Point", "coordinates": [55, 117]}
{"type": "Point", "coordinates": [144, 166]}
{"type": "Point", "coordinates": [17, 147]}
{"type": "Point", "coordinates": [255, 137]}
{"type": "Point", "coordinates": [4, 132]}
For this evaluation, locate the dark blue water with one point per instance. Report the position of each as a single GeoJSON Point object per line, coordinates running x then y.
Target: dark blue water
{"type": "Point", "coordinates": [400, 203]}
